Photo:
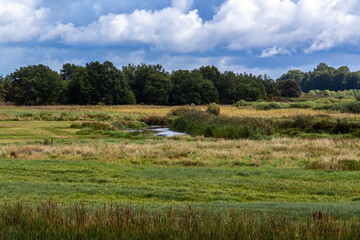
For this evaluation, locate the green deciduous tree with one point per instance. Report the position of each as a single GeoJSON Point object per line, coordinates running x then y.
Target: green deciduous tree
{"type": "Point", "coordinates": [108, 84]}
{"type": "Point", "coordinates": [191, 87]}
{"type": "Point", "coordinates": [37, 85]}
{"type": "Point", "coordinates": [79, 89]}
{"type": "Point", "coordinates": [289, 88]}
{"type": "Point", "coordinates": [150, 83]}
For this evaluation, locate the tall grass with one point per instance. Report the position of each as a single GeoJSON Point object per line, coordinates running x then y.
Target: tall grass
{"type": "Point", "coordinates": [344, 107]}
{"type": "Point", "coordinates": [51, 221]}
{"type": "Point", "coordinates": [196, 122]}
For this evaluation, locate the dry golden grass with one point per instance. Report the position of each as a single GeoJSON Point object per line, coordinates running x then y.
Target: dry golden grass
{"type": "Point", "coordinates": [250, 112]}
{"type": "Point", "coordinates": [147, 110]}
{"type": "Point", "coordinates": [278, 152]}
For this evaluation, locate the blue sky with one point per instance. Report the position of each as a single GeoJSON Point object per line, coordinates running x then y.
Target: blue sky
{"type": "Point", "coordinates": [253, 36]}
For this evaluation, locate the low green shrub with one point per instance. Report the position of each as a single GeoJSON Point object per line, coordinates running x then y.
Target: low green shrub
{"type": "Point", "coordinates": [302, 105]}
{"type": "Point", "coordinates": [86, 131]}
{"type": "Point", "coordinates": [243, 103]}
{"type": "Point", "coordinates": [198, 123]}
{"type": "Point", "coordinates": [344, 107]}
{"type": "Point", "coordinates": [202, 123]}
{"type": "Point", "coordinates": [271, 105]}
{"type": "Point", "coordinates": [96, 126]}
{"type": "Point", "coordinates": [213, 108]}
{"type": "Point", "coordinates": [178, 111]}
{"type": "Point", "coordinates": [157, 120]}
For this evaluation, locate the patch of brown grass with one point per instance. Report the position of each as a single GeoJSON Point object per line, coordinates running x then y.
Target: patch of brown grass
{"type": "Point", "coordinates": [278, 152]}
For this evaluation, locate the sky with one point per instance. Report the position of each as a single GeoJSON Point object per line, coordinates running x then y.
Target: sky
{"type": "Point", "coordinates": [253, 36]}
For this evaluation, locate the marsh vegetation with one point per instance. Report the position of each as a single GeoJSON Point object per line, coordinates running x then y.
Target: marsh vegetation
{"type": "Point", "coordinates": [243, 171]}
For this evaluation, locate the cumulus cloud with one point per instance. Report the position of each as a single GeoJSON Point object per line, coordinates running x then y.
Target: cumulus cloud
{"type": "Point", "coordinates": [22, 20]}
{"type": "Point", "coordinates": [168, 28]}
{"type": "Point", "coordinates": [270, 52]}
{"type": "Point", "coordinates": [182, 5]}
{"type": "Point", "coordinates": [270, 26]}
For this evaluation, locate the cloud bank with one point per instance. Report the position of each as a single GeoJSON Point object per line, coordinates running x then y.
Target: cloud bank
{"type": "Point", "coordinates": [273, 26]}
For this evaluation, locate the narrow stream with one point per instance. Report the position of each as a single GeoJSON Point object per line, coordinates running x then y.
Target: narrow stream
{"type": "Point", "coordinates": [162, 131]}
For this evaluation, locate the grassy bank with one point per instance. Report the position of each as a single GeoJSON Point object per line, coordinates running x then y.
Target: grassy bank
{"type": "Point", "coordinates": [200, 123]}
{"type": "Point", "coordinates": [48, 220]}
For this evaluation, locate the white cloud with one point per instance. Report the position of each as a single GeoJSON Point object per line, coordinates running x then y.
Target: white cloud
{"type": "Point", "coordinates": [168, 28]}
{"type": "Point", "coordinates": [22, 20]}
{"type": "Point", "coordinates": [270, 52]}
{"type": "Point", "coordinates": [271, 26]}
{"type": "Point", "coordinates": [182, 5]}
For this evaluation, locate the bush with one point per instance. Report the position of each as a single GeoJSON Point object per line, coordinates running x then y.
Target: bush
{"type": "Point", "coordinates": [303, 121]}
{"type": "Point", "coordinates": [302, 105]}
{"type": "Point", "coordinates": [95, 126]}
{"type": "Point", "coordinates": [270, 106]}
{"type": "Point", "coordinates": [289, 88]}
{"type": "Point", "coordinates": [178, 111]}
{"type": "Point", "coordinates": [243, 103]}
{"type": "Point", "coordinates": [198, 123]}
{"type": "Point", "coordinates": [202, 123]}
{"type": "Point", "coordinates": [213, 108]}
{"type": "Point", "coordinates": [157, 120]}
{"type": "Point", "coordinates": [344, 107]}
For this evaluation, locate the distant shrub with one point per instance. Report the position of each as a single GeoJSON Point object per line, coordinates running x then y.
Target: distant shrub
{"type": "Point", "coordinates": [199, 123]}
{"type": "Point", "coordinates": [302, 105]}
{"type": "Point", "coordinates": [270, 106]}
{"type": "Point", "coordinates": [208, 125]}
{"type": "Point", "coordinates": [344, 107]}
{"type": "Point", "coordinates": [96, 126]}
{"type": "Point", "coordinates": [323, 124]}
{"type": "Point", "coordinates": [177, 111]}
{"type": "Point", "coordinates": [157, 120]}
{"type": "Point", "coordinates": [99, 116]}
{"type": "Point", "coordinates": [119, 125]}
{"type": "Point", "coordinates": [303, 121]}
{"type": "Point", "coordinates": [86, 131]}
{"type": "Point", "coordinates": [213, 108]}
{"type": "Point", "coordinates": [243, 103]}
{"type": "Point", "coordinates": [136, 135]}
{"type": "Point", "coordinates": [134, 124]}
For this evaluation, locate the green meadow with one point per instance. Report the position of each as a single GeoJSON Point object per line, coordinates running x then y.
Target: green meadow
{"type": "Point", "coordinates": [71, 158]}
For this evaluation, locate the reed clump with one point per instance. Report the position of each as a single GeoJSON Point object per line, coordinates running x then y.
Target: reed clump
{"type": "Point", "coordinates": [52, 221]}
{"type": "Point", "coordinates": [196, 122]}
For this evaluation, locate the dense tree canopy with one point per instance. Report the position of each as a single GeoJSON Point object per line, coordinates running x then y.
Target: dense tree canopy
{"type": "Point", "coordinates": [108, 84]}
{"type": "Point", "coordinates": [234, 87]}
{"type": "Point", "coordinates": [289, 88]}
{"type": "Point", "coordinates": [68, 70]}
{"type": "Point", "coordinates": [150, 83]}
{"type": "Point", "coordinates": [37, 85]}
{"type": "Point", "coordinates": [103, 83]}
{"type": "Point", "coordinates": [324, 77]}
{"type": "Point", "coordinates": [191, 87]}
{"type": "Point", "coordinates": [79, 90]}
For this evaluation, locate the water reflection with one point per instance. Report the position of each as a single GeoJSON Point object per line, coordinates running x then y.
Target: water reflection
{"type": "Point", "coordinates": [160, 131]}
{"type": "Point", "coordinates": [164, 131]}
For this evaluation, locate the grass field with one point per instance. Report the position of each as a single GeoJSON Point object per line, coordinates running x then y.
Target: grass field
{"type": "Point", "coordinates": [47, 155]}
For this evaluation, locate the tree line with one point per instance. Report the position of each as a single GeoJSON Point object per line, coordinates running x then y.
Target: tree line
{"type": "Point", "coordinates": [103, 83]}
{"type": "Point", "coordinates": [324, 77]}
